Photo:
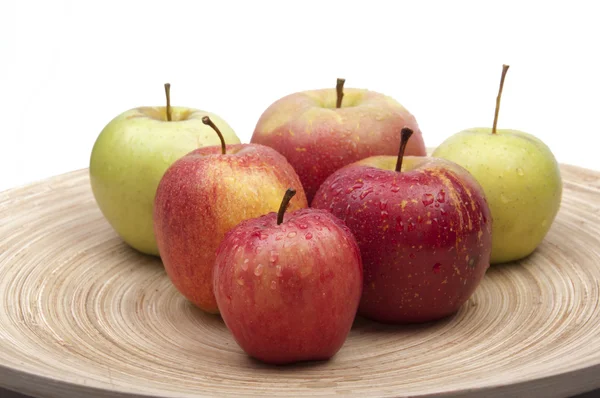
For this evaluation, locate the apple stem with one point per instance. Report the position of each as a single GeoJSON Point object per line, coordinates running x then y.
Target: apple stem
{"type": "Point", "coordinates": [168, 94]}
{"type": "Point", "coordinates": [206, 120]}
{"type": "Point", "coordinates": [504, 70]}
{"type": "Point", "coordinates": [339, 88]}
{"type": "Point", "coordinates": [289, 194]}
{"type": "Point", "coordinates": [404, 136]}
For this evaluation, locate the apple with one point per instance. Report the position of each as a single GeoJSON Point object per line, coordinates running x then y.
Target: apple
{"type": "Point", "coordinates": [423, 227]}
{"type": "Point", "coordinates": [206, 193]}
{"type": "Point", "coordinates": [130, 157]}
{"type": "Point", "coordinates": [288, 286]}
{"type": "Point", "coordinates": [320, 131]}
{"type": "Point", "coordinates": [521, 179]}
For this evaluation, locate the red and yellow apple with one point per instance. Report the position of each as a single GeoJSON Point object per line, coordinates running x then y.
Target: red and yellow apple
{"type": "Point", "coordinates": [206, 193]}
{"type": "Point", "coordinates": [318, 137]}
{"type": "Point", "coordinates": [423, 226]}
{"type": "Point", "coordinates": [288, 287]}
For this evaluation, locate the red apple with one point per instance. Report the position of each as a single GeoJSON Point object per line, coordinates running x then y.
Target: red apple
{"type": "Point", "coordinates": [206, 193]}
{"type": "Point", "coordinates": [317, 136]}
{"type": "Point", "coordinates": [288, 289]}
{"type": "Point", "coordinates": [424, 233]}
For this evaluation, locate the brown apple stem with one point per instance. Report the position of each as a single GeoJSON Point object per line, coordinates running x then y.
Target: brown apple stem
{"type": "Point", "coordinates": [206, 120]}
{"type": "Point", "coordinates": [504, 70]}
{"type": "Point", "coordinates": [404, 136]}
{"type": "Point", "coordinates": [168, 94]}
{"type": "Point", "coordinates": [339, 88]}
{"type": "Point", "coordinates": [289, 194]}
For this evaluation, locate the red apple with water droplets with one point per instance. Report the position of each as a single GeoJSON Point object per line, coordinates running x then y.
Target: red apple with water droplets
{"type": "Point", "coordinates": [288, 286]}
{"type": "Point", "coordinates": [423, 226]}
{"type": "Point", "coordinates": [320, 131]}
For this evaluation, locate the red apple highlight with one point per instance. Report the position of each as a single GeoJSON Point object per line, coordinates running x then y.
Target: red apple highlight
{"type": "Point", "coordinates": [206, 193]}
{"type": "Point", "coordinates": [424, 233]}
{"type": "Point", "coordinates": [288, 288]}
{"type": "Point", "coordinates": [318, 137]}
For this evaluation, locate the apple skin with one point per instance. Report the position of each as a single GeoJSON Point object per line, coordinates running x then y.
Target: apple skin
{"type": "Point", "coordinates": [318, 139]}
{"type": "Point", "coordinates": [202, 196]}
{"type": "Point", "coordinates": [130, 156]}
{"type": "Point", "coordinates": [521, 179]}
{"type": "Point", "coordinates": [289, 293]}
{"type": "Point", "coordinates": [424, 234]}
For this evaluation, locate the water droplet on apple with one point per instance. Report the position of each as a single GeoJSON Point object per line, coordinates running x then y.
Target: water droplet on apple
{"type": "Point", "coordinates": [357, 185]}
{"type": "Point", "coordinates": [384, 214]}
{"type": "Point", "coordinates": [308, 236]}
{"type": "Point", "coordinates": [279, 271]}
{"type": "Point", "coordinates": [279, 237]}
{"type": "Point", "coordinates": [441, 196]}
{"type": "Point", "coordinates": [245, 265]}
{"type": "Point", "coordinates": [412, 255]}
{"type": "Point", "coordinates": [258, 249]}
{"type": "Point", "coordinates": [258, 270]}
{"type": "Point", "coordinates": [333, 186]}
{"type": "Point", "coordinates": [399, 224]}
{"type": "Point", "coordinates": [240, 282]}
{"type": "Point", "coordinates": [273, 285]}
{"type": "Point", "coordinates": [411, 226]}
{"type": "Point", "coordinates": [382, 204]}
{"type": "Point", "coordinates": [263, 236]}
{"type": "Point", "coordinates": [274, 256]}
{"type": "Point", "coordinates": [365, 193]}
{"type": "Point", "coordinates": [302, 226]}
{"type": "Point", "coordinates": [442, 211]}
{"type": "Point", "coordinates": [428, 199]}
{"type": "Point", "coordinates": [437, 268]}
{"type": "Point", "coordinates": [395, 189]}
{"type": "Point", "coordinates": [292, 234]}
{"type": "Point", "coordinates": [520, 171]}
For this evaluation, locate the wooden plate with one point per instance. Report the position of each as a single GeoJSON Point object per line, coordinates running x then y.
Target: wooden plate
{"type": "Point", "coordinates": [82, 315]}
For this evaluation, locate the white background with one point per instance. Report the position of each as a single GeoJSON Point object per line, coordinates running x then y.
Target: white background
{"type": "Point", "coordinates": [67, 67]}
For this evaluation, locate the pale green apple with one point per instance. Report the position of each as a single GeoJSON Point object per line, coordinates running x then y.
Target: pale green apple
{"type": "Point", "coordinates": [521, 180]}
{"type": "Point", "coordinates": [130, 156]}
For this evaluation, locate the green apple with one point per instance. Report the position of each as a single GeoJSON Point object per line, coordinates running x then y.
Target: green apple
{"type": "Point", "coordinates": [521, 180]}
{"type": "Point", "coordinates": [132, 153]}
